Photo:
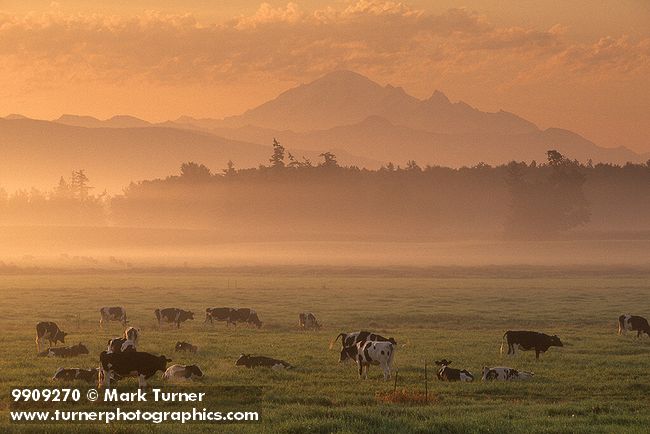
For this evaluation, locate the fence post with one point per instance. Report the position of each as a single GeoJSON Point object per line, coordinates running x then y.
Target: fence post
{"type": "Point", "coordinates": [426, 383]}
{"type": "Point", "coordinates": [395, 386]}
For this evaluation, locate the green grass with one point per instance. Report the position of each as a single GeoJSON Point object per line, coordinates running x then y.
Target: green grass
{"type": "Point", "coordinates": [599, 382]}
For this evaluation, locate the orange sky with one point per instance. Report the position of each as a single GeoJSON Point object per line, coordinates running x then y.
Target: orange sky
{"type": "Point", "coordinates": [582, 64]}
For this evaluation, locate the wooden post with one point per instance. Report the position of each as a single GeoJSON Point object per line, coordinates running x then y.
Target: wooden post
{"type": "Point", "coordinates": [426, 383]}
{"type": "Point", "coordinates": [395, 387]}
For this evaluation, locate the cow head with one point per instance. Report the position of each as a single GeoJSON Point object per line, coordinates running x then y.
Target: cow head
{"type": "Point", "coordinates": [179, 346]}
{"type": "Point", "coordinates": [60, 337]}
{"type": "Point", "coordinates": [348, 353]}
{"type": "Point", "coordinates": [392, 341]}
{"type": "Point", "coordinates": [255, 320]}
{"type": "Point", "coordinates": [486, 373]}
{"type": "Point", "coordinates": [556, 342]}
{"type": "Point", "coordinates": [162, 363]}
{"type": "Point", "coordinates": [194, 370]}
{"type": "Point", "coordinates": [81, 348]}
{"type": "Point", "coordinates": [443, 362]}
{"type": "Point", "coordinates": [242, 360]}
{"type": "Point", "coordinates": [189, 315]}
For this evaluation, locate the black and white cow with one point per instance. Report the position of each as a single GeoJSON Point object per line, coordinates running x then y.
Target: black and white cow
{"type": "Point", "coordinates": [132, 334]}
{"type": "Point", "coordinates": [505, 374]}
{"type": "Point", "coordinates": [445, 373]}
{"type": "Point", "coordinates": [307, 321]}
{"type": "Point", "coordinates": [219, 314]}
{"type": "Point", "coordinates": [633, 323]}
{"type": "Point", "coordinates": [115, 345]}
{"type": "Point", "coordinates": [130, 364]}
{"type": "Point", "coordinates": [372, 353]}
{"type": "Point", "coordinates": [185, 347]}
{"type": "Point", "coordinates": [115, 313]}
{"type": "Point", "coordinates": [527, 341]}
{"type": "Point", "coordinates": [351, 339]}
{"type": "Point", "coordinates": [76, 374]}
{"type": "Point", "coordinates": [261, 361]}
{"type": "Point", "coordinates": [245, 315]}
{"type": "Point", "coordinates": [182, 372]}
{"type": "Point", "coordinates": [47, 330]}
{"type": "Point", "coordinates": [173, 315]}
{"type": "Point", "coordinates": [73, 351]}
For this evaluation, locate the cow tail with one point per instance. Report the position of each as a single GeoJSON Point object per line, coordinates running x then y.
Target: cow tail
{"type": "Point", "coordinates": [340, 335]}
{"type": "Point", "coordinates": [503, 341]}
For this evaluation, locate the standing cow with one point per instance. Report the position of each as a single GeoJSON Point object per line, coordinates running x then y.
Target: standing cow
{"type": "Point", "coordinates": [116, 313]}
{"type": "Point", "coordinates": [351, 339]}
{"type": "Point", "coordinates": [129, 364]}
{"type": "Point", "coordinates": [308, 321]}
{"type": "Point", "coordinates": [527, 341]}
{"type": "Point", "coordinates": [172, 315]}
{"type": "Point", "coordinates": [219, 314]}
{"type": "Point", "coordinates": [633, 323]}
{"type": "Point", "coordinates": [246, 315]}
{"type": "Point", "coordinates": [50, 331]}
{"type": "Point", "coordinates": [372, 353]}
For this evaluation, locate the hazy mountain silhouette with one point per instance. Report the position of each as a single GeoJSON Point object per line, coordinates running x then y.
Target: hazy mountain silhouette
{"type": "Point", "coordinates": [119, 121]}
{"type": "Point", "coordinates": [36, 153]}
{"type": "Point", "coordinates": [350, 111]}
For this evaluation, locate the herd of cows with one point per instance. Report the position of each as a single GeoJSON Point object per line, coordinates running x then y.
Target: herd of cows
{"type": "Point", "coordinates": [122, 359]}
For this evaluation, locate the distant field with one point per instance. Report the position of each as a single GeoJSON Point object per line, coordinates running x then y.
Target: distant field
{"type": "Point", "coordinates": [599, 382]}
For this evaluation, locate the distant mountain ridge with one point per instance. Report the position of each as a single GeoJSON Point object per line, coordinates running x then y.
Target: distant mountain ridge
{"type": "Point", "coordinates": [365, 123]}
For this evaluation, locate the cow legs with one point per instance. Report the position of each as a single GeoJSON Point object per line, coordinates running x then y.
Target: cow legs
{"type": "Point", "coordinates": [511, 349]}
{"type": "Point", "coordinates": [386, 367]}
{"type": "Point", "coordinates": [536, 354]}
{"type": "Point", "coordinates": [142, 383]}
{"type": "Point", "coordinates": [38, 345]}
{"type": "Point", "coordinates": [105, 377]}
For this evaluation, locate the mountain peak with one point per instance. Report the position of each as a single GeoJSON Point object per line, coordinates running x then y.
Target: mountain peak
{"type": "Point", "coordinates": [439, 98]}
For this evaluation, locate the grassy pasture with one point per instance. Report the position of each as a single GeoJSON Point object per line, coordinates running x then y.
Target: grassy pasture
{"type": "Point", "coordinates": [599, 382]}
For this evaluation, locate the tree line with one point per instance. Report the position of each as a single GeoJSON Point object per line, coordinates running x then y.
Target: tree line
{"type": "Point", "coordinates": [296, 196]}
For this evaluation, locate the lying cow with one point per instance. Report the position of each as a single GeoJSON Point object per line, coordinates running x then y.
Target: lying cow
{"type": "Point", "coordinates": [351, 339]}
{"type": "Point", "coordinates": [185, 347]}
{"type": "Point", "coordinates": [445, 373]}
{"type": "Point", "coordinates": [307, 321]}
{"type": "Point", "coordinates": [261, 361]}
{"type": "Point", "coordinates": [505, 374]}
{"type": "Point", "coordinates": [130, 364]}
{"type": "Point", "coordinates": [372, 353]}
{"type": "Point", "coordinates": [73, 351]}
{"type": "Point", "coordinates": [527, 341]}
{"type": "Point", "coordinates": [182, 372]}
{"type": "Point", "coordinates": [633, 323]}
{"type": "Point", "coordinates": [116, 313]}
{"type": "Point", "coordinates": [76, 374]}
{"type": "Point", "coordinates": [172, 315]}
{"type": "Point", "coordinates": [219, 314]}
{"type": "Point", "coordinates": [50, 331]}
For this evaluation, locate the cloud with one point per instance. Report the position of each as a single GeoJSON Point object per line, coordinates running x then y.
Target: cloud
{"type": "Point", "coordinates": [390, 38]}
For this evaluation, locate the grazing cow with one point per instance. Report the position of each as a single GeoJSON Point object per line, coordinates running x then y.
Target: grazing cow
{"type": "Point", "coordinates": [246, 315]}
{"type": "Point", "coordinates": [132, 334]}
{"type": "Point", "coordinates": [351, 339]}
{"type": "Point", "coordinates": [307, 320]}
{"type": "Point", "coordinates": [116, 313]}
{"type": "Point", "coordinates": [505, 374]}
{"type": "Point", "coordinates": [182, 372]}
{"type": "Point", "coordinates": [372, 353]}
{"type": "Point", "coordinates": [219, 314]}
{"type": "Point", "coordinates": [186, 347]}
{"type": "Point", "coordinates": [130, 364]}
{"type": "Point", "coordinates": [527, 341]}
{"type": "Point", "coordinates": [73, 351]}
{"type": "Point", "coordinates": [50, 331]}
{"type": "Point", "coordinates": [73, 374]}
{"type": "Point", "coordinates": [445, 373]}
{"type": "Point", "coordinates": [173, 315]}
{"type": "Point", "coordinates": [633, 323]}
{"type": "Point", "coordinates": [261, 361]}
